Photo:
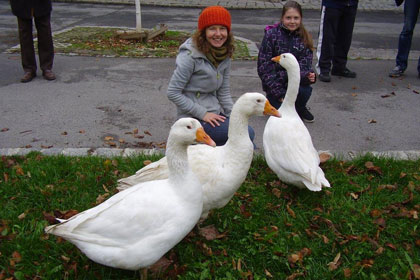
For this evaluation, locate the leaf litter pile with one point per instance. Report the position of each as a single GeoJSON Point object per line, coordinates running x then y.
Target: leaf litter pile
{"type": "Point", "coordinates": [365, 227]}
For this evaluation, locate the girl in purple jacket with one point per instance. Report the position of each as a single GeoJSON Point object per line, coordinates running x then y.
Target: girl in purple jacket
{"type": "Point", "coordinates": [288, 36]}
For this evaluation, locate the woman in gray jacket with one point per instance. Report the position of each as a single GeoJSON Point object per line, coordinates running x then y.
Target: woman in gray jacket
{"type": "Point", "coordinates": [199, 86]}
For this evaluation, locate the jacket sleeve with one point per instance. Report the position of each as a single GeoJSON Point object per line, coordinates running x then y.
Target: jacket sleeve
{"type": "Point", "coordinates": [180, 78]}
{"type": "Point", "coordinates": [305, 63]}
{"type": "Point", "coordinates": [223, 93]}
{"type": "Point", "coordinates": [271, 73]}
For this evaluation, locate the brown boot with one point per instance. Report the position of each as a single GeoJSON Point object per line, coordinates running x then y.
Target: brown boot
{"type": "Point", "coordinates": [48, 75]}
{"type": "Point", "coordinates": [28, 76]}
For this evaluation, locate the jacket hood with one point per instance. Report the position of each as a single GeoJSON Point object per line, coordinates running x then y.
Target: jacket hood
{"type": "Point", "coordinates": [189, 46]}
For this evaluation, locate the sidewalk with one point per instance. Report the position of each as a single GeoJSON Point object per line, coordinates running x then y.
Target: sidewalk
{"type": "Point", "coordinates": [364, 5]}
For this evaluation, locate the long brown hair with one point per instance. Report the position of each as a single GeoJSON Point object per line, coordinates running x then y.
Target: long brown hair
{"type": "Point", "coordinates": [303, 33]}
{"type": "Point", "coordinates": [200, 41]}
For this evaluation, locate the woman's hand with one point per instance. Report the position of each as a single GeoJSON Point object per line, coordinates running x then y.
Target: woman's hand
{"type": "Point", "coordinates": [213, 119]}
{"type": "Point", "coordinates": [311, 76]}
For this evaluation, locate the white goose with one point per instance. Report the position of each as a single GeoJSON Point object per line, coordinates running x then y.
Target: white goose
{"type": "Point", "coordinates": [288, 147]}
{"type": "Point", "coordinates": [134, 228]}
{"type": "Point", "coordinates": [223, 169]}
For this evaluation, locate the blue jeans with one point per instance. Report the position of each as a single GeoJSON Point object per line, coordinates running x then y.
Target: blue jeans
{"type": "Point", "coordinates": [304, 94]}
{"type": "Point", "coordinates": [219, 134]}
{"type": "Point", "coordinates": [411, 13]}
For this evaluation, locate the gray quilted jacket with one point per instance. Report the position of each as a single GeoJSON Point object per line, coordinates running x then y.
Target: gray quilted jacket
{"type": "Point", "coordinates": [197, 87]}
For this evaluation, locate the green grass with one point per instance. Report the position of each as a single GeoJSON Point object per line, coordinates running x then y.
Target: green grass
{"type": "Point", "coordinates": [103, 41]}
{"type": "Point", "coordinates": [268, 231]}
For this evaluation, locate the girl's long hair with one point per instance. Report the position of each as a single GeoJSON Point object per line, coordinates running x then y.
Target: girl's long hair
{"type": "Point", "coordinates": [303, 33]}
{"type": "Point", "coordinates": [200, 41]}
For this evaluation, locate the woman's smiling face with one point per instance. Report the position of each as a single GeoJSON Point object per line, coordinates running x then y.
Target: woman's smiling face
{"type": "Point", "coordinates": [291, 19]}
{"type": "Point", "coordinates": [216, 35]}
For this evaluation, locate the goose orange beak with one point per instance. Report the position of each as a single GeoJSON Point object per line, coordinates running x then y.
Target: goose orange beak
{"type": "Point", "coordinates": [203, 137]}
{"type": "Point", "coordinates": [276, 59]}
{"type": "Point", "coordinates": [269, 110]}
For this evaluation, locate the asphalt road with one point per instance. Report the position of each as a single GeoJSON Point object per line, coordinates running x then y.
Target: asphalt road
{"type": "Point", "coordinates": [98, 97]}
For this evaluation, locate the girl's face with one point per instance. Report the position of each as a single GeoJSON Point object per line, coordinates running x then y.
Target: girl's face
{"type": "Point", "coordinates": [291, 19]}
{"type": "Point", "coordinates": [216, 35]}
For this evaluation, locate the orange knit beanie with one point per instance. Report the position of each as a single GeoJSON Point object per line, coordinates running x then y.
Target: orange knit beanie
{"type": "Point", "coordinates": [214, 15]}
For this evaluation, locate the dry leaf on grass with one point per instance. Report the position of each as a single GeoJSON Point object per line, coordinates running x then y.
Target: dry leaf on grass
{"type": "Point", "coordinates": [335, 263]}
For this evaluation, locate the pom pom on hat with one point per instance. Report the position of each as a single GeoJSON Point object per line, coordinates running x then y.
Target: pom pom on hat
{"type": "Point", "coordinates": [214, 15]}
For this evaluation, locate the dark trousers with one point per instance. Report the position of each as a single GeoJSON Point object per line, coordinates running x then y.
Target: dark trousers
{"type": "Point", "coordinates": [219, 134]}
{"type": "Point", "coordinates": [45, 43]}
{"type": "Point", "coordinates": [335, 35]}
{"type": "Point", "coordinates": [411, 13]}
{"type": "Point", "coordinates": [302, 98]}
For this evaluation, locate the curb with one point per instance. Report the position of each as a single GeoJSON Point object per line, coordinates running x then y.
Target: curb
{"type": "Point", "coordinates": [128, 152]}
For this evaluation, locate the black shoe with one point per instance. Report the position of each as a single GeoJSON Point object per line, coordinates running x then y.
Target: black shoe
{"type": "Point", "coordinates": [346, 73]}
{"type": "Point", "coordinates": [325, 77]}
{"type": "Point", "coordinates": [27, 77]}
{"type": "Point", "coordinates": [305, 115]}
{"type": "Point", "coordinates": [396, 72]}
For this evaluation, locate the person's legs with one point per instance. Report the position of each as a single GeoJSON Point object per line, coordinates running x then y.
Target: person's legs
{"type": "Point", "coordinates": [327, 37]}
{"type": "Point", "coordinates": [27, 45]}
{"type": "Point", "coordinates": [343, 39]}
{"type": "Point", "coordinates": [45, 42]}
{"type": "Point", "coordinates": [304, 94]}
{"type": "Point", "coordinates": [411, 12]}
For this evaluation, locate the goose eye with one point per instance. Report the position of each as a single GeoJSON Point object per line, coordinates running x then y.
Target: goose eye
{"type": "Point", "coordinates": [259, 100]}
{"type": "Point", "coordinates": [189, 126]}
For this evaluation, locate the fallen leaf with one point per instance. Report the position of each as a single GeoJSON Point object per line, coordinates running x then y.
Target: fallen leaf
{"type": "Point", "coordinates": [108, 138]}
{"type": "Point", "coordinates": [380, 250]}
{"type": "Point", "coordinates": [276, 192]}
{"type": "Point", "coordinates": [347, 272]}
{"type": "Point", "coordinates": [375, 213]}
{"type": "Point", "coordinates": [390, 245]}
{"type": "Point", "coordinates": [209, 232]}
{"type": "Point", "coordinates": [372, 121]}
{"type": "Point", "coordinates": [101, 198]}
{"type": "Point", "coordinates": [335, 263]}
{"type": "Point", "coordinates": [267, 273]}
{"type": "Point", "coordinates": [325, 239]}
{"type": "Point", "coordinates": [147, 132]}
{"type": "Point", "coordinates": [323, 157]}
{"type": "Point", "coordinates": [65, 258]}
{"type": "Point", "coordinates": [416, 92]}
{"type": "Point", "coordinates": [294, 276]}
{"type": "Point", "coordinates": [4, 129]}
{"type": "Point", "coordinates": [290, 211]}
{"type": "Point", "coordinates": [380, 222]}
{"type": "Point", "coordinates": [147, 162]}
{"type": "Point", "coordinates": [22, 216]}
{"type": "Point", "coordinates": [19, 170]}
{"type": "Point", "coordinates": [121, 140]}
{"type": "Point", "coordinates": [388, 95]}
{"type": "Point", "coordinates": [135, 131]}
{"type": "Point", "coordinates": [160, 266]}
{"type": "Point", "coordinates": [46, 147]}
{"type": "Point", "coordinates": [366, 263]}
{"type": "Point", "coordinates": [388, 187]}
{"type": "Point", "coordinates": [354, 196]}
{"type": "Point", "coordinates": [82, 131]}
{"type": "Point", "coordinates": [64, 133]}
{"type": "Point", "coordinates": [418, 242]}
{"type": "Point", "coordinates": [416, 271]}
{"type": "Point", "coordinates": [112, 144]}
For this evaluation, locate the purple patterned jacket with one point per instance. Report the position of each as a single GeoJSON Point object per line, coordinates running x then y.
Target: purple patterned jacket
{"type": "Point", "coordinates": [278, 40]}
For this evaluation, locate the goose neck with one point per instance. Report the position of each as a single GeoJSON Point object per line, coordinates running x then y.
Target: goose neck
{"type": "Point", "coordinates": [293, 76]}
